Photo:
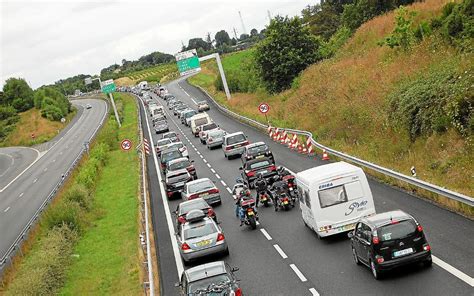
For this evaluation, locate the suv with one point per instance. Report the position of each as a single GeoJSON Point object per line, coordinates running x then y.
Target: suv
{"type": "Point", "coordinates": [388, 240]}
{"type": "Point", "coordinates": [205, 129]}
{"type": "Point", "coordinates": [234, 144]}
{"type": "Point", "coordinates": [252, 168]}
{"type": "Point", "coordinates": [175, 181]}
{"type": "Point", "coordinates": [256, 151]}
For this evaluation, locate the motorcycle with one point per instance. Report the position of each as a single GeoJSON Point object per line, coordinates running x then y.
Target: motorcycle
{"type": "Point", "coordinates": [292, 190]}
{"type": "Point", "coordinates": [264, 198]}
{"type": "Point", "coordinates": [248, 213]}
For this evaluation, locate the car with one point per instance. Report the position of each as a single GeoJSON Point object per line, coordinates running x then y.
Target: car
{"type": "Point", "coordinates": [181, 112]}
{"type": "Point", "coordinates": [161, 127]}
{"type": "Point", "coordinates": [204, 188]}
{"type": "Point", "coordinates": [158, 118]}
{"type": "Point", "coordinates": [178, 108]}
{"type": "Point", "coordinates": [215, 138]}
{"type": "Point", "coordinates": [252, 168]}
{"type": "Point", "coordinates": [233, 144]}
{"type": "Point", "coordinates": [172, 104]}
{"type": "Point", "coordinates": [170, 135]}
{"type": "Point", "coordinates": [204, 129]}
{"type": "Point", "coordinates": [181, 148]}
{"type": "Point", "coordinates": [200, 237]}
{"type": "Point", "coordinates": [161, 145]}
{"type": "Point", "coordinates": [200, 279]}
{"type": "Point", "coordinates": [183, 163]}
{"type": "Point", "coordinates": [88, 106]}
{"type": "Point", "coordinates": [389, 240]}
{"type": "Point", "coordinates": [168, 155]}
{"type": "Point", "coordinates": [193, 204]}
{"type": "Point", "coordinates": [175, 181]}
{"type": "Point", "coordinates": [203, 106]}
{"type": "Point", "coordinates": [257, 150]}
{"type": "Point", "coordinates": [167, 97]}
{"type": "Point", "coordinates": [187, 115]}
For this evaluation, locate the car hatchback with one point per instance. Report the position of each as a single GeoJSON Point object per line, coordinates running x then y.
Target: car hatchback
{"type": "Point", "coordinates": [204, 188]}
{"type": "Point", "coordinates": [389, 240]}
{"type": "Point", "coordinates": [234, 144]}
{"type": "Point", "coordinates": [256, 151]}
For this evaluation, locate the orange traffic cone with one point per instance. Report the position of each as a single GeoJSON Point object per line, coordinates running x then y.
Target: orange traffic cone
{"type": "Point", "coordinates": [325, 155]}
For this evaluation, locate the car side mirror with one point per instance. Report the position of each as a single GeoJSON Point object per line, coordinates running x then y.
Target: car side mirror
{"type": "Point", "coordinates": [241, 168]}
{"type": "Point", "coordinates": [192, 161]}
{"type": "Point", "coordinates": [350, 234]}
{"type": "Point", "coordinates": [234, 269]}
{"type": "Point", "coordinates": [177, 284]}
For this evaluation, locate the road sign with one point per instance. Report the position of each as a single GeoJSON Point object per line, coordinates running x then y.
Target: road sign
{"type": "Point", "coordinates": [108, 86]}
{"type": "Point", "coordinates": [126, 145]}
{"type": "Point", "coordinates": [88, 80]}
{"type": "Point", "coordinates": [263, 108]}
{"type": "Point", "coordinates": [188, 62]}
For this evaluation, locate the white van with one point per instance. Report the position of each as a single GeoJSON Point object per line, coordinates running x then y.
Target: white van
{"type": "Point", "coordinates": [334, 197]}
{"type": "Point", "coordinates": [156, 110]}
{"type": "Point", "coordinates": [198, 120]}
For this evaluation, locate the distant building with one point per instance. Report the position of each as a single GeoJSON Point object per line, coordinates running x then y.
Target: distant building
{"type": "Point", "coordinates": [77, 92]}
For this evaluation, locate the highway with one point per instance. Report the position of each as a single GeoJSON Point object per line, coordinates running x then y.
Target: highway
{"type": "Point", "coordinates": [283, 257]}
{"type": "Point", "coordinates": [26, 184]}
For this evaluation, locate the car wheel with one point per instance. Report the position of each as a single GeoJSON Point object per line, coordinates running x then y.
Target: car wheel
{"type": "Point", "coordinates": [428, 262]}
{"type": "Point", "coordinates": [225, 155]}
{"type": "Point", "coordinates": [374, 270]}
{"type": "Point", "coordinates": [354, 255]}
{"type": "Point", "coordinates": [226, 252]}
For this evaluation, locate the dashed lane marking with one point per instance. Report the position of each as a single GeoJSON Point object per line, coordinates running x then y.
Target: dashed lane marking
{"type": "Point", "coordinates": [298, 273]}
{"type": "Point", "coordinates": [223, 183]}
{"type": "Point", "coordinates": [282, 254]}
{"type": "Point", "coordinates": [35, 180]}
{"type": "Point", "coordinates": [265, 233]}
{"type": "Point", "coordinates": [314, 292]}
{"type": "Point", "coordinates": [228, 189]}
{"type": "Point", "coordinates": [21, 194]}
{"type": "Point", "coordinates": [218, 177]}
{"type": "Point", "coordinates": [213, 171]}
{"type": "Point", "coordinates": [208, 165]}
{"type": "Point", "coordinates": [6, 210]}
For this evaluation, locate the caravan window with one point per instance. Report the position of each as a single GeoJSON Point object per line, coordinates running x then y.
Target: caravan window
{"type": "Point", "coordinates": [300, 194]}
{"type": "Point", "coordinates": [307, 200]}
{"type": "Point", "coordinates": [332, 196]}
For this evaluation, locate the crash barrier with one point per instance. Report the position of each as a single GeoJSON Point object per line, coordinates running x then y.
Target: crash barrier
{"type": "Point", "coordinates": [7, 258]}
{"type": "Point", "coordinates": [275, 132]}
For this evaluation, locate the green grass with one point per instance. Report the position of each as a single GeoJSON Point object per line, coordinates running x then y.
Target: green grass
{"type": "Point", "coordinates": [107, 261]}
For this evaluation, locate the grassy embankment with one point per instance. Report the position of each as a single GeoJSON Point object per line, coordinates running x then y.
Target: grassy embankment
{"type": "Point", "coordinates": [31, 122]}
{"type": "Point", "coordinates": [344, 101]}
{"type": "Point", "coordinates": [87, 242]}
{"type": "Point", "coordinates": [151, 75]}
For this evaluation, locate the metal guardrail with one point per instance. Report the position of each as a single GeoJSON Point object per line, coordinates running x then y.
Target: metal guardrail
{"type": "Point", "coordinates": [388, 172]}
{"type": "Point", "coordinates": [16, 246]}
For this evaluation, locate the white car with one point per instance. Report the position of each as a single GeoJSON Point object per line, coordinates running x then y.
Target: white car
{"type": "Point", "coordinates": [88, 106]}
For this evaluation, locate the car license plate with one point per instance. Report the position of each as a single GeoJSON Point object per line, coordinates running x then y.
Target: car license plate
{"type": "Point", "coordinates": [250, 213]}
{"type": "Point", "coordinates": [403, 252]}
{"type": "Point", "coordinates": [285, 202]}
{"type": "Point", "coordinates": [263, 172]}
{"type": "Point", "coordinates": [203, 243]}
{"type": "Point", "coordinates": [349, 226]}
{"type": "Point", "coordinates": [204, 195]}
{"type": "Point", "coordinates": [260, 156]}
{"type": "Point", "coordinates": [236, 146]}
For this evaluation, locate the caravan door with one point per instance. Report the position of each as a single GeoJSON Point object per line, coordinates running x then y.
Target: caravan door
{"type": "Point", "coordinates": [305, 206]}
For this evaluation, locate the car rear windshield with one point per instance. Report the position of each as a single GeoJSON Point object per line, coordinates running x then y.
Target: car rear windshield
{"type": "Point", "coordinates": [178, 178]}
{"type": "Point", "coordinates": [163, 142]}
{"type": "Point", "coordinates": [257, 149]}
{"type": "Point", "coordinates": [179, 165]}
{"type": "Point", "coordinates": [209, 126]}
{"type": "Point", "coordinates": [190, 114]}
{"type": "Point", "coordinates": [332, 196]}
{"type": "Point", "coordinates": [200, 121]}
{"type": "Point", "coordinates": [203, 284]}
{"type": "Point", "coordinates": [217, 134]}
{"type": "Point", "coordinates": [170, 155]}
{"type": "Point", "coordinates": [260, 164]}
{"type": "Point", "coordinates": [170, 135]}
{"type": "Point", "coordinates": [199, 204]}
{"type": "Point", "coordinates": [199, 230]}
{"type": "Point", "coordinates": [396, 231]}
{"type": "Point", "coordinates": [235, 139]}
{"type": "Point", "coordinates": [201, 186]}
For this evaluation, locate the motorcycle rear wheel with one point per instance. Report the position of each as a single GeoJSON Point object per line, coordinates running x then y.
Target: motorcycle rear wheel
{"type": "Point", "coordinates": [252, 222]}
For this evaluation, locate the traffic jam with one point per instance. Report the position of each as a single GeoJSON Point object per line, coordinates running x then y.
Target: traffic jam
{"type": "Point", "coordinates": [334, 199]}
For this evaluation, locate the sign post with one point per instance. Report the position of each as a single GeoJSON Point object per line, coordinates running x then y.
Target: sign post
{"type": "Point", "coordinates": [108, 87]}
{"type": "Point", "coordinates": [264, 108]}
{"type": "Point", "coordinates": [126, 145]}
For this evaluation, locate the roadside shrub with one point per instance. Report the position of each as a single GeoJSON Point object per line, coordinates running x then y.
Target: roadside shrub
{"type": "Point", "coordinates": [101, 153]}
{"type": "Point", "coordinates": [78, 193]}
{"type": "Point", "coordinates": [45, 270]}
{"type": "Point", "coordinates": [109, 135]}
{"type": "Point", "coordinates": [88, 173]}
{"type": "Point", "coordinates": [65, 212]}
{"type": "Point", "coordinates": [329, 48]}
{"type": "Point", "coordinates": [52, 112]}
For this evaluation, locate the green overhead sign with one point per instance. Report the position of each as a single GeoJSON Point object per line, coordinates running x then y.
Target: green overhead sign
{"type": "Point", "coordinates": [108, 86]}
{"type": "Point", "coordinates": [188, 62]}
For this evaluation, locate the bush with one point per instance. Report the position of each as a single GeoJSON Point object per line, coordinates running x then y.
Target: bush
{"type": "Point", "coordinates": [65, 212]}
{"type": "Point", "coordinates": [458, 22]}
{"type": "Point", "coordinates": [101, 153]}
{"type": "Point", "coordinates": [52, 112]}
{"type": "Point", "coordinates": [78, 193]}
{"type": "Point", "coordinates": [88, 173]}
{"type": "Point", "coordinates": [45, 270]}
{"type": "Point", "coordinates": [329, 48]}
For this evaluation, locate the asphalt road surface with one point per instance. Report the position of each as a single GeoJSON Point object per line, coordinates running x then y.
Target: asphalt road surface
{"type": "Point", "coordinates": [13, 161]}
{"type": "Point", "coordinates": [23, 191]}
{"type": "Point", "coordinates": [283, 257]}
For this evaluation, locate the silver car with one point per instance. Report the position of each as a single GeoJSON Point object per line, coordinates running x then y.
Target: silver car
{"type": "Point", "coordinates": [204, 129]}
{"type": "Point", "coordinates": [204, 188]}
{"type": "Point", "coordinates": [234, 144]}
{"type": "Point", "coordinates": [162, 145]}
{"type": "Point", "coordinates": [200, 236]}
{"type": "Point", "coordinates": [215, 138]}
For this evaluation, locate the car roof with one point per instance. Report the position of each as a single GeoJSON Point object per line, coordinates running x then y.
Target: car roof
{"type": "Point", "coordinates": [385, 218]}
{"type": "Point", "coordinates": [205, 270]}
{"type": "Point", "coordinates": [199, 181]}
{"type": "Point", "coordinates": [178, 160]}
{"type": "Point", "coordinates": [193, 201]}
{"type": "Point", "coordinates": [252, 161]}
{"type": "Point", "coordinates": [170, 150]}
{"type": "Point", "coordinates": [234, 134]}
{"type": "Point", "coordinates": [177, 172]}
{"type": "Point", "coordinates": [255, 145]}
{"type": "Point", "coordinates": [169, 133]}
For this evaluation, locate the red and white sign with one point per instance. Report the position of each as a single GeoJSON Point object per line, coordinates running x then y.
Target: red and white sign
{"type": "Point", "coordinates": [263, 108]}
{"type": "Point", "coordinates": [126, 145]}
{"type": "Point", "coordinates": [146, 146]}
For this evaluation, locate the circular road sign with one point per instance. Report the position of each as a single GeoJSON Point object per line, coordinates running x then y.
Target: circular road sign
{"type": "Point", "coordinates": [126, 145]}
{"type": "Point", "coordinates": [263, 108]}
{"type": "Point", "coordinates": [63, 120]}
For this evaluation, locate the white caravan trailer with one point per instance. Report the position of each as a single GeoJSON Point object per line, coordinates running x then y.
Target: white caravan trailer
{"type": "Point", "coordinates": [334, 197]}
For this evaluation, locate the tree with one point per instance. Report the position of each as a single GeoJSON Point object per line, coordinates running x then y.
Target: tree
{"type": "Point", "coordinates": [209, 40]}
{"type": "Point", "coordinates": [222, 38]}
{"type": "Point", "coordinates": [244, 37]}
{"type": "Point", "coordinates": [18, 94]}
{"type": "Point", "coordinates": [289, 47]}
{"type": "Point", "coordinates": [196, 43]}
{"type": "Point", "coordinates": [253, 32]}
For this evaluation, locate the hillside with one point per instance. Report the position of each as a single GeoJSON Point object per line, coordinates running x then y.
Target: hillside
{"type": "Point", "coordinates": [345, 100]}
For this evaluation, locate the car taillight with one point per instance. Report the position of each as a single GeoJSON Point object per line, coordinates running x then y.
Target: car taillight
{"type": "Point", "coordinates": [238, 292]}
{"type": "Point", "coordinates": [169, 193]}
{"type": "Point", "coordinates": [426, 247]}
{"type": "Point", "coordinates": [249, 210]}
{"type": "Point", "coordinates": [285, 199]}
{"type": "Point", "coordinates": [210, 212]}
{"type": "Point", "coordinates": [419, 228]}
{"type": "Point", "coordinates": [220, 237]}
{"type": "Point", "coordinates": [181, 220]}
{"type": "Point", "coordinates": [227, 148]}
{"type": "Point", "coordinates": [375, 240]}
{"type": "Point", "coordinates": [379, 259]}
{"type": "Point", "coordinates": [250, 173]}
{"type": "Point", "coordinates": [210, 139]}
{"type": "Point", "coordinates": [192, 196]}
{"type": "Point", "coordinates": [185, 247]}
{"type": "Point", "coordinates": [214, 190]}
{"type": "Point", "coordinates": [190, 168]}
{"type": "Point", "coordinates": [290, 185]}
{"type": "Point", "coordinates": [272, 167]}
{"type": "Point", "coordinates": [245, 143]}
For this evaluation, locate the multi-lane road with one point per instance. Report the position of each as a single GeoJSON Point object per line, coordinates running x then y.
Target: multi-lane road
{"type": "Point", "coordinates": [28, 175]}
{"type": "Point", "coordinates": [283, 257]}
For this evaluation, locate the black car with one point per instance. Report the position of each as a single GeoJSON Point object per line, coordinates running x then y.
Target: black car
{"type": "Point", "coordinates": [161, 127]}
{"type": "Point", "coordinates": [168, 97]}
{"type": "Point", "coordinates": [175, 181]}
{"type": "Point", "coordinates": [168, 155]}
{"type": "Point", "coordinates": [389, 240]}
{"type": "Point", "coordinates": [261, 166]}
{"type": "Point", "coordinates": [257, 150]}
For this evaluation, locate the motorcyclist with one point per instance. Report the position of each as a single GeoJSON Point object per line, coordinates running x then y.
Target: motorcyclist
{"type": "Point", "coordinates": [260, 187]}
{"type": "Point", "coordinates": [283, 172]}
{"type": "Point", "coordinates": [279, 186]}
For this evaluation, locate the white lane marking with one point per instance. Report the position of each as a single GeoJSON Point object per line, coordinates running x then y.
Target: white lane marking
{"type": "Point", "coordinates": [6, 210]}
{"type": "Point", "coordinates": [208, 165]}
{"type": "Point", "coordinates": [454, 271]}
{"type": "Point", "coordinates": [35, 180]}
{"type": "Point", "coordinates": [280, 251]}
{"type": "Point", "coordinates": [203, 159]}
{"type": "Point", "coordinates": [265, 233]}
{"type": "Point", "coordinates": [314, 292]}
{"type": "Point", "coordinates": [186, 93]}
{"type": "Point", "coordinates": [199, 153]}
{"type": "Point", "coordinates": [164, 198]}
{"type": "Point", "coordinates": [54, 160]}
{"type": "Point", "coordinates": [218, 177]}
{"type": "Point", "coordinates": [213, 171]}
{"type": "Point", "coordinates": [21, 194]}
{"type": "Point", "coordinates": [258, 223]}
{"type": "Point", "coordinates": [194, 101]}
{"type": "Point", "coordinates": [19, 175]}
{"type": "Point", "coordinates": [298, 273]}
{"type": "Point", "coordinates": [11, 164]}
{"type": "Point", "coordinates": [223, 183]}
{"type": "Point", "coordinates": [228, 189]}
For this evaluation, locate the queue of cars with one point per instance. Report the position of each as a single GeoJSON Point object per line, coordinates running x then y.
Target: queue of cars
{"type": "Point", "coordinates": [334, 198]}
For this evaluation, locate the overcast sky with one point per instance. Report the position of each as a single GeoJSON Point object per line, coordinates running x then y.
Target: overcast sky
{"type": "Point", "coordinates": [45, 41]}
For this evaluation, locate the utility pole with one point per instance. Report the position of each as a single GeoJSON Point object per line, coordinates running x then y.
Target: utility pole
{"type": "Point", "coordinates": [235, 35]}
{"type": "Point", "coordinates": [270, 16]}
{"type": "Point", "coordinates": [242, 22]}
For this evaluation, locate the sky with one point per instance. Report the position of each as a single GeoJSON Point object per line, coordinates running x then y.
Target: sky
{"type": "Point", "coordinates": [43, 42]}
